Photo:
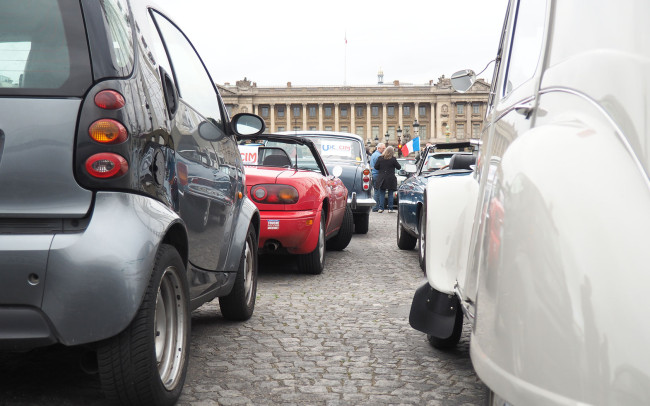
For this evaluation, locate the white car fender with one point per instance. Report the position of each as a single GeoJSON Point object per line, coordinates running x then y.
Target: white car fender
{"type": "Point", "coordinates": [450, 203]}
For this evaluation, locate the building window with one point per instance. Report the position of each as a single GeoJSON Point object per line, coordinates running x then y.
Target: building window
{"type": "Point", "coordinates": [391, 111]}
{"type": "Point", "coordinates": [328, 128]}
{"type": "Point", "coordinates": [375, 111]}
{"type": "Point", "coordinates": [328, 111]}
{"type": "Point", "coordinates": [312, 111]}
{"type": "Point", "coordinates": [344, 111]}
{"type": "Point", "coordinates": [423, 131]}
{"type": "Point", "coordinates": [375, 131]}
{"type": "Point", "coordinates": [476, 130]}
{"type": "Point", "coordinates": [407, 130]}
{"type": "Point", "coordinates": [344, 128]}
{"type": "Point", "coordinates": [460, 109]}
{"type": "Point", "coordinates": [391, 132]}
{"type": "Point", "coordinates": [476, 108]}
{"type": "Point", "coordinates": [280, 128]}
{"type": "Point", "coordinates": [296, 111]}
{"type": "Point", "coordinates": [460, 131]}
{"type": "Point", "coordinates": [422, 111]}
{"type": "Point", "coordinates": [280, 111]}
{"type": "Point", "coordinates": [360, 111]}
{"type": "Point", "coordinates": [407, 110]}
{"type": "Point", "coordinates": [265, 111]}
{"type": "Point", "coordinates": [360, 132]}
{"type": "Point", "coordinates": [312, 128]}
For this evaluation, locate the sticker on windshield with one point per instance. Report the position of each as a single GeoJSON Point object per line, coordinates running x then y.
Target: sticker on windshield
{"type": "Point", "coordinates": [249, 153]}
{"type": "Point", "coordinates": [337, 148]}
{"type": "Point", "coordinates": [272, 224]}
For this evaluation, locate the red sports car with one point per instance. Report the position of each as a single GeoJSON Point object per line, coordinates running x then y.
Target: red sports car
{"type": "Point", "coordinates": [303, 207]}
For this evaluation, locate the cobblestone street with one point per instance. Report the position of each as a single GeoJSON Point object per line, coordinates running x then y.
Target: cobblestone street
{"type": "Point", "coordinates": [339, 338]}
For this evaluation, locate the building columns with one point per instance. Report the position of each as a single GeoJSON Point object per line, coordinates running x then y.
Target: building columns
{"type": "Point", "coordinates": [320, 116]}
{"type": "Point", "coordinates": [336, 117]}
{"type": "Point", "coordinates": [369, 121]}
{"type": "Point", "coordinates": [272, 129]}
{"type": "Point", "coordinates": [304, 116]}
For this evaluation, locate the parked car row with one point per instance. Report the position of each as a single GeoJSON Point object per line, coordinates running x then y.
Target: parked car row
{"type": "Point", "coordinates": [541, 249]}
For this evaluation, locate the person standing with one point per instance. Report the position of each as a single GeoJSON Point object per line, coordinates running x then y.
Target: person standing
{"type": "Point", "coordinates": [386, 179]}
{"type": "Point", "coordinates": [375, 173]}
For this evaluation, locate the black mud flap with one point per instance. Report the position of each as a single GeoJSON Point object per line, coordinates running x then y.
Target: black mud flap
{"type": "Point", "coordinates": [433, 312]}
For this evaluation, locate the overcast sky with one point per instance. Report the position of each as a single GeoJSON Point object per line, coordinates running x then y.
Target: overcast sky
{"type": "Point", "coordinates": [303, 42]}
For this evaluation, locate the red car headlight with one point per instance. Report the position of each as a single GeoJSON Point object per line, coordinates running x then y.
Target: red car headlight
{"type": "Point", "coordinates": [274, 194]}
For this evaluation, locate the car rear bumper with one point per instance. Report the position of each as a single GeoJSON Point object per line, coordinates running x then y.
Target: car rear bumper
{"type": "Point", "coordinates": [360, 204]}
{"type": "Point", "coordinates": [81, 287]}
{"type": "Point", "coordinates": [296, 231]}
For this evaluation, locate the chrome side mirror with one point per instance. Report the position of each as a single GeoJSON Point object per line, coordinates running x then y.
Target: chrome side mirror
{"type": "Point", "coordinates": [462, 80]}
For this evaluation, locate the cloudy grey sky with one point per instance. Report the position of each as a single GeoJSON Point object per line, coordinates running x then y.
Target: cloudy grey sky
{"type": "Point", "coordinates": [303, 42]}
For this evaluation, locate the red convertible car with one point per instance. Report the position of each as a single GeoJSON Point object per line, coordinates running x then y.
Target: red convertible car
{"type": "Point", "coordinates": [303, 207]}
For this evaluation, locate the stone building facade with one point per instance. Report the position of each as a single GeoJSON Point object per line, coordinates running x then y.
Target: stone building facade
{"type": "Point", "coordinates": [376, 112]}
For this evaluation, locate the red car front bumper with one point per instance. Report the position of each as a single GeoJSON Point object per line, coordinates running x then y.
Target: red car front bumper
{"type": "Point", "coordinates": [297, 231]}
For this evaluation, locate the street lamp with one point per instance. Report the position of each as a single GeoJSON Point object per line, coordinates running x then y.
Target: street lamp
{"type": "Point", "coordinates": [387, 136]}
{"type": "Point", "coordinates": [399, 132]}
{"type": "Point", "coordinates": [376, 139]}
{"type": "Point", "coordinates": [416, 128]}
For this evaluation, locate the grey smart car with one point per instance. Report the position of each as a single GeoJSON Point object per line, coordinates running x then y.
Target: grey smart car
{"type": "Point", "coordinates": [122, 197]}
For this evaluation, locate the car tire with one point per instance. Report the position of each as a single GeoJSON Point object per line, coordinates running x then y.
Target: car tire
{"type": "Point", "coordinates": [239, 304]}
{"type": "Point", "coordinates": [314, 262]}
{"type": "Point", "coordinates": [454, 338]}
{"type": "Point", "coordinates": [361, 221]}
{"type": "Point", "coordinates": [344, 236]}
{"type": "Point", "coordinates": [405, 241]}
{"type": "Point", "coordinates": [196, 213]}
{"type": "Point", "coordinates": [146, 364]}
{"type": "Point", "coordinates": [422, 243]}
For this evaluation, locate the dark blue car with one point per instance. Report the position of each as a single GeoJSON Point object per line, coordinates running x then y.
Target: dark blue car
{"type": "Point", "coordinates": [435, 160]}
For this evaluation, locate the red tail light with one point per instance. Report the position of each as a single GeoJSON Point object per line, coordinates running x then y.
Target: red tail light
{"type": "Point", "coordinates": [181, 169]}
{"type": "Point", "coordinates": [107, 131]}
{"type": "Point", "coordinates": [109, 100]}
{"type": "Point", "coordinates": [106, 165]}
{"type": "Point", "coordinates": [274, 194]}
{"type": "Point", "coordinates": [366, 179]}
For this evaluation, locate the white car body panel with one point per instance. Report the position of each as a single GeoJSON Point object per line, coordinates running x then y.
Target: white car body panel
{"type": "Point", "coordinates": [455, 202]}
{"type": "Point", "coordinates": [548, 243]}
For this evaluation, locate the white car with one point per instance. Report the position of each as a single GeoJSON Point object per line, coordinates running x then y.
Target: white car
{"type": "Point", "coordinates": [545, 247]}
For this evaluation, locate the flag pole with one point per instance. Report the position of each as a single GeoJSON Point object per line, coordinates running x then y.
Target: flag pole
{"type": "Point", "coordinates": [345, 61]}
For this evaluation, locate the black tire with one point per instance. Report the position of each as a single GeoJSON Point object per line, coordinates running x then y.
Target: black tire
{"type": "Point", "coordinates": [405, 241]}
{"type": "Point", "coordinates": [196, 213]}
{"type": "Point", "coordinates": [451, 341]}
{"type": "Point", "coordinates": [344, 236]}
{"type": "Point", "coordinates": [314, 262]}
{"type": "Point", "coordinates": [361, 221]}
{"type": "Point", "coordinates": [422, 240]}
{"type": "Point", "coordinates": [239, 304]}
{"type": "Point", "coordinates": [146, 364]}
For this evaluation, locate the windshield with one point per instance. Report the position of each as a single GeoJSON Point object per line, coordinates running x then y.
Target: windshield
{"type": "Point", "coordinates": [337, 149]}
{"type": "Point", "coordinates": [435, 161]}
{"type": "Point", "coordinates": [279, 154]}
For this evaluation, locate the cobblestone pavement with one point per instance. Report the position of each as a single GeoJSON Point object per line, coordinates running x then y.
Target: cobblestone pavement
{"type": "Point", "coordinates": [339, 338]}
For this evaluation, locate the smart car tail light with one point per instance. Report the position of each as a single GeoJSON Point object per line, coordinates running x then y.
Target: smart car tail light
{"type": "Point", "coordinates": [366, 179]}
{"type": "Point", "coordinates": [107, 131]}
{"type": "Point", "coordinates": [274, 194]}
{"type": "Point", "coordinates": [109, 100]}
{"type": "Point", "coordinates": [106, 165]}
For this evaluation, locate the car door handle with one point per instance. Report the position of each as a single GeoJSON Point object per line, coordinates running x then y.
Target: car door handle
{"type": "Point", "coordinates": [525, 109]}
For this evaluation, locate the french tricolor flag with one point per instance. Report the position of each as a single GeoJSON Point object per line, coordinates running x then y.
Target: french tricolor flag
{"type": "Point", "coordinates": [411, 146]}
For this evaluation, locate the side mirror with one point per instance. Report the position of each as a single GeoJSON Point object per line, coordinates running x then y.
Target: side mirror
{"type": "Point", "coordinates": [209, 131]}
{"type": "Point", "coordinates": [462, 80]}
{"type": "Point", "coordinates": [247, 124]}
{"type": "Point", "coordinates": [410, 168]}
{"type": "Point", "coordinates": [337, 171]}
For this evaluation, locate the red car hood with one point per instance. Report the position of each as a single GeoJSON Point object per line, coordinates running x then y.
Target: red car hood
{"type": "Point", "coordinates": [256, 175]}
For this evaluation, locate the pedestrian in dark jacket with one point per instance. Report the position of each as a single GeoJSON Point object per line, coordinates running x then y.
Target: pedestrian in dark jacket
{"type": "Point", "coordinates": [386, 179]}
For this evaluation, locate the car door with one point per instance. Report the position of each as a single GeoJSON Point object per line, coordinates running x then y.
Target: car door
{"type": "Point", "coordinates": [205, 163]}
{"type": "Point", "coordinates": [511, 110]}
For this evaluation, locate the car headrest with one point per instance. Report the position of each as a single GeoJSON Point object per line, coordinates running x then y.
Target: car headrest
{"type": "Point", "coordinates": [462, 161]}
{"type": "Point", "coordinates": [276, 160]}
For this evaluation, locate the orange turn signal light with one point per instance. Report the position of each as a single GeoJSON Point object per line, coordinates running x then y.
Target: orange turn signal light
{"type": "Point", "coordinates": [107, 131]}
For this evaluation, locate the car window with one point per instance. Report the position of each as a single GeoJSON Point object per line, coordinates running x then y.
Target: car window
{"type": "Point", "coordinates": [433, 162]}
{"type": "Point", "coordinates": [526, 43]}
{"type": "Point", "coordinates": [194, 84]}
{"type": "Point", "coordinates": [338, 149]}
{"type": "Point", "coordinates": [42, 50]}
{"type": "Point", "coordinates": [300, 156]}
{"type": "Point", "coordinates": [120, 35]}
